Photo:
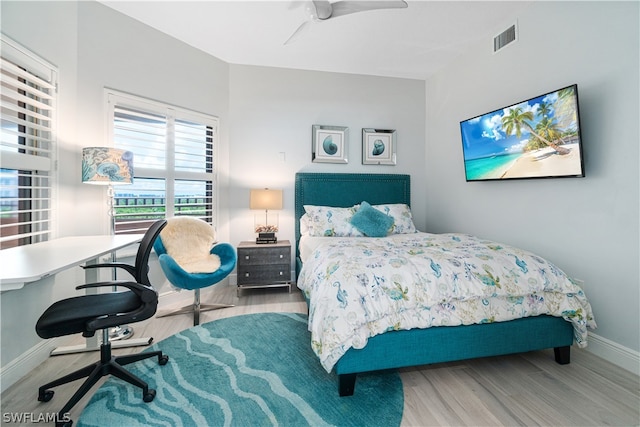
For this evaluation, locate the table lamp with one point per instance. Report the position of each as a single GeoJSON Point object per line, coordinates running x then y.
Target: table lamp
{"type": "Point", "coordinates": [268, 200]}
{"type": "Point", "coordinates": [109, 166]}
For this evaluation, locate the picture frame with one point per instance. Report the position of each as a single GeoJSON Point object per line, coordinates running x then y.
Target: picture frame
{"type": "Point", "coordinates": [378, 146]}
{"type": "Point", "coordinates": [329, 144]}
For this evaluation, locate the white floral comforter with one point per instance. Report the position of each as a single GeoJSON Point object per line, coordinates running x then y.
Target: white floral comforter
{"type": "Point", "coordinates": [360, 287]}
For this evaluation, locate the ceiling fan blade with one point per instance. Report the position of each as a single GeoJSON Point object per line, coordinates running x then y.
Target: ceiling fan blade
{"type": "Point", "coordinates": [345, 7]}
{"type": "Point", "coordinates": [300, 30]}
{"type": "Point", "coordinates": [323, 9]}
{"type": "Point", "coordinates": [320, 10]}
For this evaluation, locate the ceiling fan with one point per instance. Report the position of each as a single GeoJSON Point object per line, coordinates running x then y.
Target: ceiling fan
{"type": "Point", "coordinates": [321, 10]}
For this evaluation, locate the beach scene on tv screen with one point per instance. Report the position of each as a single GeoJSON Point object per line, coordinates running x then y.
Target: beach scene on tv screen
{"type": "Point", "coordinates": [533, 139]}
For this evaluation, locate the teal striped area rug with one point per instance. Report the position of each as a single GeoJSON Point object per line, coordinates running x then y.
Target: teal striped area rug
{"type": "Point", "coordinates": [249, 370]}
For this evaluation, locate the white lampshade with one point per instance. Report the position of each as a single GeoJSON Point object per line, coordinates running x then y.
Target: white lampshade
{"type": "Point", "coordinates": [107, 166]}
{"type": "Point", "coordinates": [265, 199]}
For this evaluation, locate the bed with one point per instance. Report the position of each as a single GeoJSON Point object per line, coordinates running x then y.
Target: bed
{"type": "Point", "coordinates": [395, 347]}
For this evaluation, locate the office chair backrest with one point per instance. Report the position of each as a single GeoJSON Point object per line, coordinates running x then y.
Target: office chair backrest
{"type": "Point", "coordinates": [144, 251]}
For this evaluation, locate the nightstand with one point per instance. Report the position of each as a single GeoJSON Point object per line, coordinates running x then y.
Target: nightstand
{"type": "Point", "coordinates": [264, 265]}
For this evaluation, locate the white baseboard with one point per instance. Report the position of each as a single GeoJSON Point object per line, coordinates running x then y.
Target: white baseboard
{"type": "Point", "coordinates": [615, 353]}
{"type": "Point", "coordinates": [21, 366]}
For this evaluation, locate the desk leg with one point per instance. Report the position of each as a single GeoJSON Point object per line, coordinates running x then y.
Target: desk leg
{"type": "Point", "coordinates": [91, 343]}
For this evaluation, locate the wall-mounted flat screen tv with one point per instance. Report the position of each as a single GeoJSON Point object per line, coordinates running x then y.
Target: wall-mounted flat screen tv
{"type": "Point", "coordinates": [536, 138]}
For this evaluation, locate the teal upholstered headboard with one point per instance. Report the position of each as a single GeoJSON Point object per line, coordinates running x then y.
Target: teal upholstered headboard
{"type": "Point", "coordinates": [347, 189]}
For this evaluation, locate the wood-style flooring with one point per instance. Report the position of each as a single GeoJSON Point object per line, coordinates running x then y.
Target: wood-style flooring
{"type": "Point", "coordinates": [519, 390]}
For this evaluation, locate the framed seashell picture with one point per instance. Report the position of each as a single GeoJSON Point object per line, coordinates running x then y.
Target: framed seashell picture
{"type": "Point", "coordinates": [378, 146]}
{"type": "Point", "coordinates": [329, 144]}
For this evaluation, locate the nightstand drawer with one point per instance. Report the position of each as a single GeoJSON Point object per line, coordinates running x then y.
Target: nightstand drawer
{"type": "Point", "coordinates": [255, 256]}
{"type": "Point", "coordinates": [264, 265]}
{"type": "Point", "coordinates": [264, 274]}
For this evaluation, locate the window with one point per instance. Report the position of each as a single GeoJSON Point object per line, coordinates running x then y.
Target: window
{"type": "Point", "coordinates": [27, 146]}
{"type": "Point", "coordinates": [173, 162]}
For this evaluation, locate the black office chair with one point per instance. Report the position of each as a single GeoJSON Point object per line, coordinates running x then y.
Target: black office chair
{"type": "Point", "coordinates": [88, 313]}
{"type": "Point", "coordinates": [140, 272]}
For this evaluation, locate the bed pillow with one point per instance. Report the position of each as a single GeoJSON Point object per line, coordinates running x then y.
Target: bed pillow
{"type": "Point", "coordinates": [304, 225]}
{"type": "Point", "coordinates": [371, 222]}
{"type": "Point", "coordinates": [329, 221]}
{"type": "Point", "coordinates": [402, 219]}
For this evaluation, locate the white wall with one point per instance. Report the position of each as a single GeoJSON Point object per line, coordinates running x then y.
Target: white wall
{"type": "Point", "coordinates": [589, 226]}
{"type": "Point", "coordinates": [272, 111]}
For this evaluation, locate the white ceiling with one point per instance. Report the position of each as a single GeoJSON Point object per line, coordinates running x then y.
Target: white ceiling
{"type": "Point", "coordinates": [410, 43]}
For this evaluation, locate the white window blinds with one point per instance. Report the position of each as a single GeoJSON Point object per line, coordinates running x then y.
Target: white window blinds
{"type": "Point", "coordinates": [173, 157]}
{"type": "Point", "coordinates": [27, 146]}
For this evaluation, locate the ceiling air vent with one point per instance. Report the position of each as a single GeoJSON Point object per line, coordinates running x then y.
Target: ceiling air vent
{"type": "Point", "coordinates": [506, 37]}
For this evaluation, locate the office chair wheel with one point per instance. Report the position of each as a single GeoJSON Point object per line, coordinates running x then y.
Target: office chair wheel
{"type": "Point", "coordinates": [163, 360]}
{"type": "Point", "coordinates": [45, 396]}
{"type": "Point", "coordinates": [149, 396]}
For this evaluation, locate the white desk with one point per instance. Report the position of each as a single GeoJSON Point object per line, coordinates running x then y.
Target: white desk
{"type": "Point", "coordinates": [25, 264]}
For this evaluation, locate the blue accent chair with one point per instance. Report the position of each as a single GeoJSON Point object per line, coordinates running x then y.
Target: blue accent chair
{"type": "Point", "coordinates": [182, 279]}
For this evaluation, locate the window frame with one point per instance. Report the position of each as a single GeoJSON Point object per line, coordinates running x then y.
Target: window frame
{"type": "Point", "coordinates": [33, 168]}
{"type": "Point", "coordinates": [169, 174]}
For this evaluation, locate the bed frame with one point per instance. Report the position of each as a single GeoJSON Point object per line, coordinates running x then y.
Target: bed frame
{"type": "Point", "coordinates": [420, 346]}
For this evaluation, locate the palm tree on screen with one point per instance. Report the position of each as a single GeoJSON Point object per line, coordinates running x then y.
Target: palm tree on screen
{"type": "Point", "coordinates": [516, 120]}
{"type": "Point", "coordinates": [566, 108]}
{"type": "Point", "coordinates": [544, 109]}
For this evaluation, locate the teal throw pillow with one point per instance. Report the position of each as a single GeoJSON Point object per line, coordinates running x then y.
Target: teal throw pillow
{"type": "Point", "coordinates": [371, 222]}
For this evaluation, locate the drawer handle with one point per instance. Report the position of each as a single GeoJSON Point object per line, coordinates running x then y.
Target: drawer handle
{"type": "Point", "coordinates": [246, 257]}
{"type": "Point", "coordinates": [281, 273]}
{"type": "Point", "coordinates": [246, 274]}
{"type": "Point", "coordinates": [281, 256]}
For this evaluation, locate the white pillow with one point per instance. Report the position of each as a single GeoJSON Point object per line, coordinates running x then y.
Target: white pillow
{"type": "Point", "coordinates": [304, 225]}
{"type": "Point", "coordinates": [402, 219]}
{"type": "Point", "coordinates": [331, 221]}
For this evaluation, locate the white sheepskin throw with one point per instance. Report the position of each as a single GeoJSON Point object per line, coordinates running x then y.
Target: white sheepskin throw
{"type": "Point", "coordinates": [188, 241]}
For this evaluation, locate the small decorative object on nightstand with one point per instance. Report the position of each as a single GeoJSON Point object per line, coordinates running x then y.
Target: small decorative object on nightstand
{"type": "Point", "coordinates": [264, 266]}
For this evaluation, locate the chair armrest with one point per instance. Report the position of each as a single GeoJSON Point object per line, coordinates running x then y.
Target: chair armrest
{"type": "Point", "coordinates": [174, 273]}
{"type": "Point", "coordinates": [227, 254]}
{"type": "Point", "coordinates": [144, 292]}
{"type": "Point", "coordinates": [129, 268]}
